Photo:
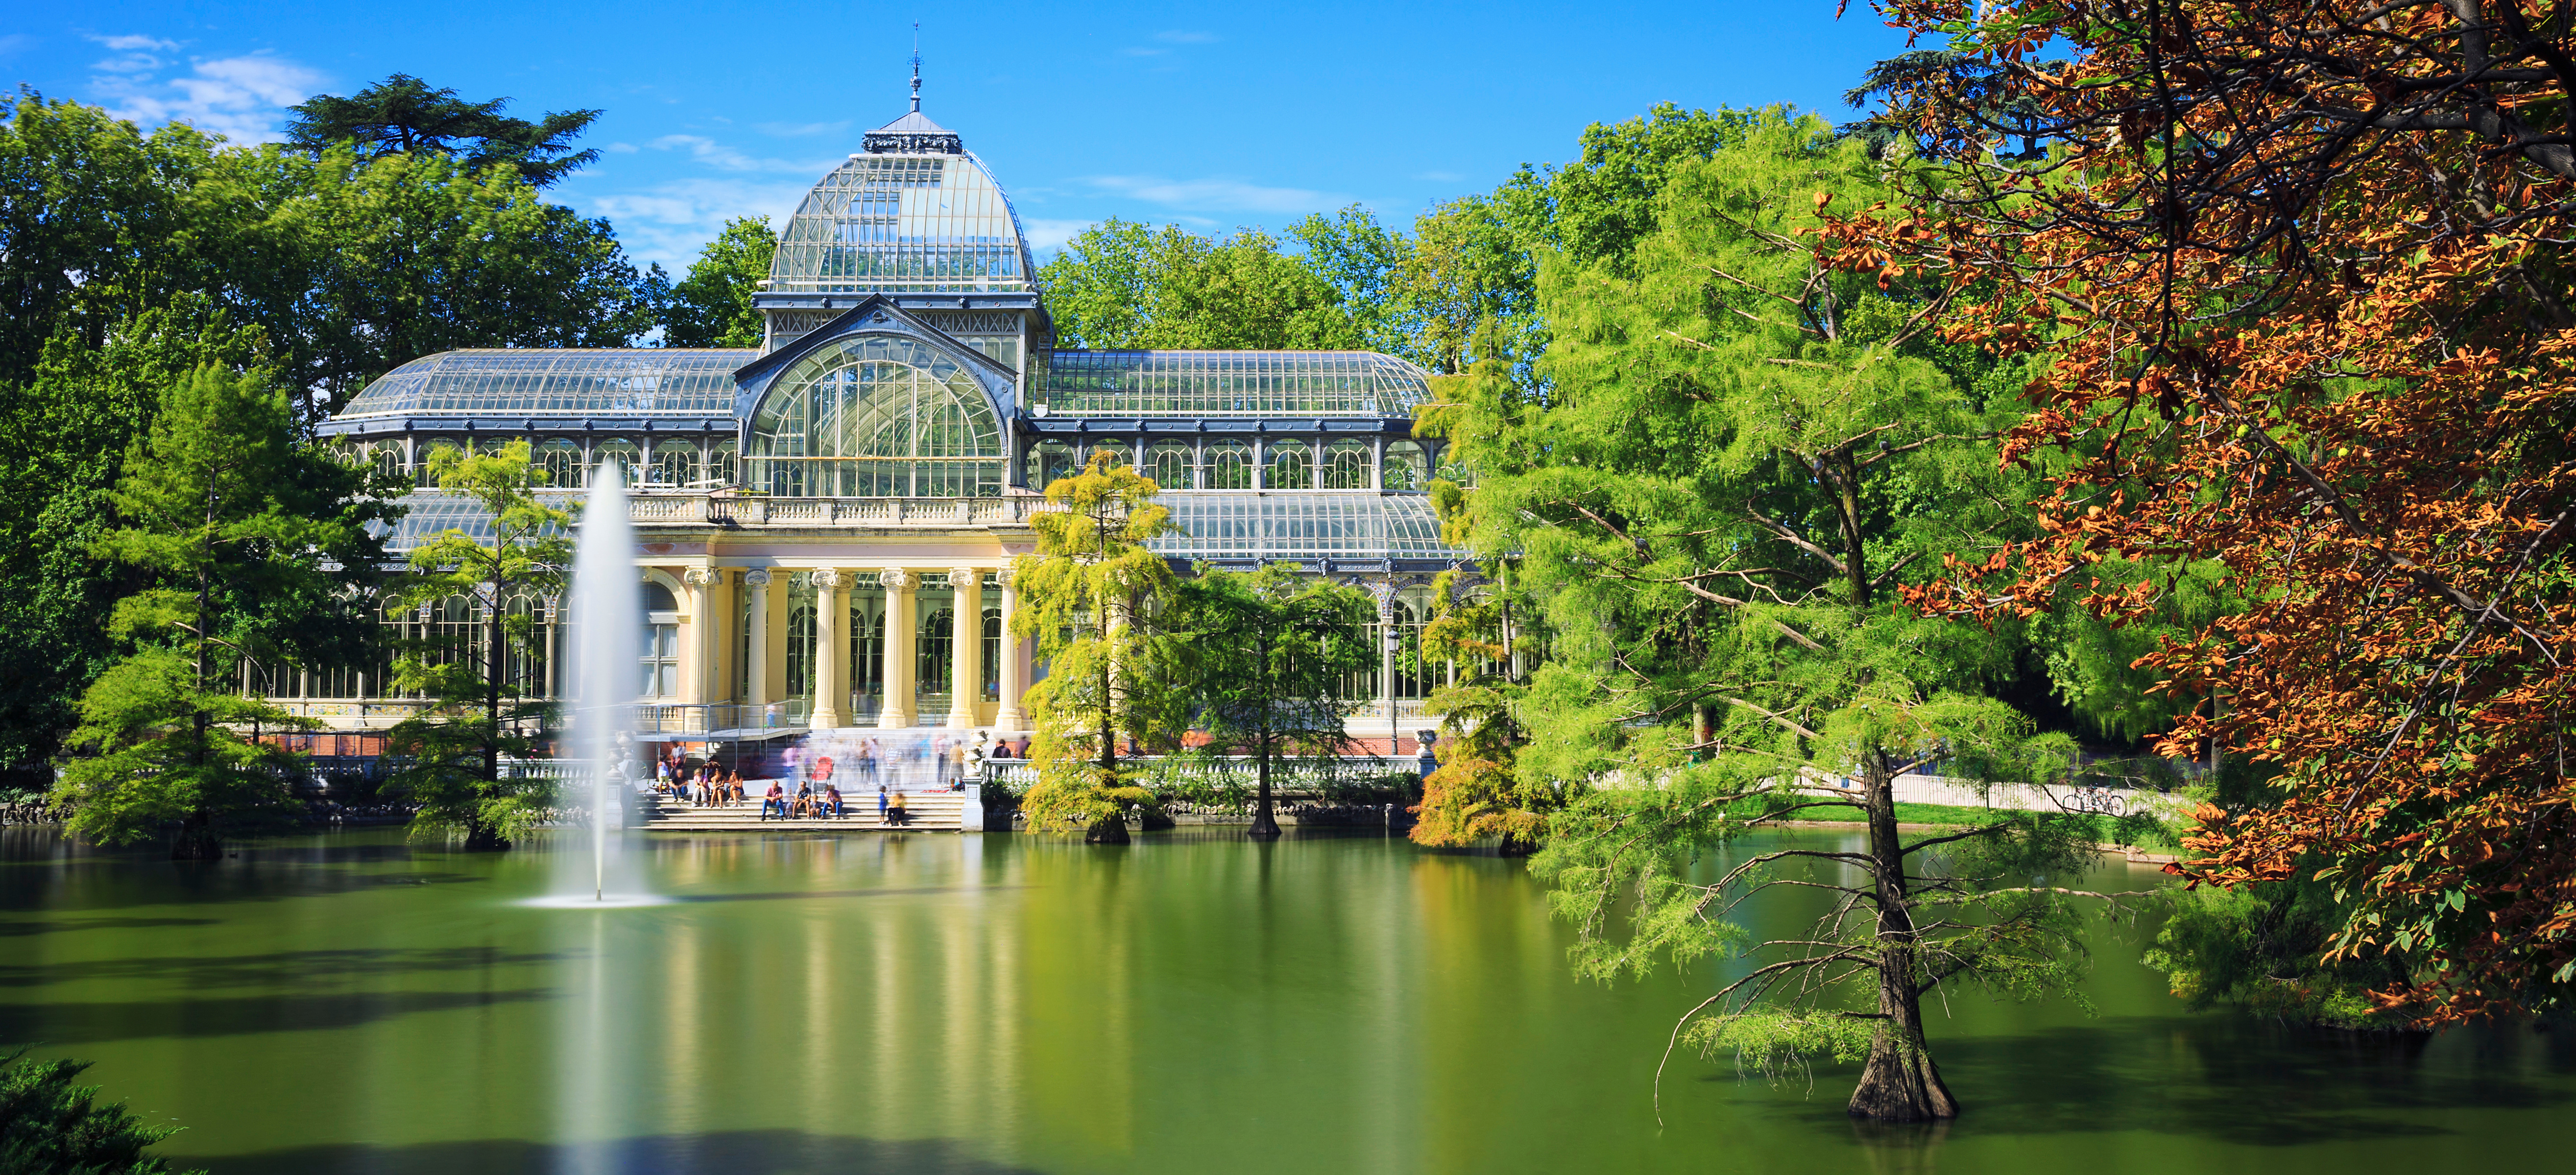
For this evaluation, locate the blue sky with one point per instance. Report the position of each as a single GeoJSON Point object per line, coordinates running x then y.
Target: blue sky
{"type": "Point", "coordinates": [1208, 115]}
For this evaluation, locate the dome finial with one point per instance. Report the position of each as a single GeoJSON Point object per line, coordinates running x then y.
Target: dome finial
{"type": "Point", "coordinates": [916, 67]}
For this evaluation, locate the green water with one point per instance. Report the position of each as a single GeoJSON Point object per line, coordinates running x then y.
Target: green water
{"type": "Point", "coordinates": [1000, 1003]}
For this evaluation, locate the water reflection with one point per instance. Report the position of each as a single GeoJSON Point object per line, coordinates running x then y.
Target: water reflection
{"type": "Point", "coordinates": [1000, 1003]}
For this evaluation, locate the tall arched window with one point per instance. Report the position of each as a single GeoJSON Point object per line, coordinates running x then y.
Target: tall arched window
{"type": "Point", "coordinates": [1292, 467]}
{"type": "Point", "coordinates": [621, 453]}
{"type": "Point", "coordinates": [1048, 461]}
{"type": "Point", "coordinates": [1229, 466]}
{"type": "Point", "coordinates": [674, 467]}
{"type": "Point", "coordinates": [1169, 466]}
{"type": "Point", "coordinates": [720, 465]}
{"type": "Point", "coordinates": [933, 666]}
{"type": "Point", "coordinates": [874, 417]}
{"type": "Point", "coordinates": [1346, 465]}
{"type": "Point", "coordinates": [1406, 467]}
{"type": "Point", "coordinates": [559, 461]}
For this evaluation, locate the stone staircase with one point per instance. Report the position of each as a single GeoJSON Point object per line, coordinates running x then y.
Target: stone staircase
{"type": "Point", "coordinates": [932, 811]}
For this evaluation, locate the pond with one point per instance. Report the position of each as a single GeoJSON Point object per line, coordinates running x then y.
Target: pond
{"type": "Point", "coordinates": [1000, 1003]}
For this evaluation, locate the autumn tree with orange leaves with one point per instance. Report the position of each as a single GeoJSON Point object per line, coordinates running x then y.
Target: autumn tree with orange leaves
{"type": "Point", "coordinates": [2302, 272]}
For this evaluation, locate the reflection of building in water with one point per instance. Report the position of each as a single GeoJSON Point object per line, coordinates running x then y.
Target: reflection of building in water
{"type": "Point", "coordinates": [826, 520]}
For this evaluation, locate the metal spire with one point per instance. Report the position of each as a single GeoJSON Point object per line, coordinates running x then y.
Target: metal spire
{"type": "Point", "coordinates": [916, 67]}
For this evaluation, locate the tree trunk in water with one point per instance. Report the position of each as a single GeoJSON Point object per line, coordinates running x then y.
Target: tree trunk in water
{"type": "Point", "coordinates": [196, 842]}
{"type": "Point", "coordinates": [1514, 846]}
{"type": "Point", "coordinates": [1111, 830]}
{"type": "Point", "coordinates": [1264, 824]}
{"type": "Point", "coordinates": [483, 838]}
{"type": "Point", "coordinates": [1899, 1083]}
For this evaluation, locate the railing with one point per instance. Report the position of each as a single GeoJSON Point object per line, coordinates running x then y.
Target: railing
{"type": "Point", "coordinates": [707, 510]}
{"type": "Point", "coordinates": [675, 718]}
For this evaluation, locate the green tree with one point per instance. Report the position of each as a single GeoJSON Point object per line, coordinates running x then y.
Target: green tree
{"type": "Point", "coordinates": [1096, 600]}
{"type": "Point", "coordinates": [218, 503]}
{"type": "Point", "coordinates": [403, 115]}
{"type": "Point", "coordinates": [1272, 654]}
{"type": "Point", "coordinates": [356, 267]}
{"type": "Point", "coordinates": [1737, 456]}
{"type": "Point", "coordinates": [478, 711]}
{"type": "Point", "coordinates": [1120, 284]}
{"type": "Point", "coordinates": [48, 1124]}
{"type": "Point", "coordinates": [1477, 791]}
{"type": "Point", "coordinates": [711, 307]}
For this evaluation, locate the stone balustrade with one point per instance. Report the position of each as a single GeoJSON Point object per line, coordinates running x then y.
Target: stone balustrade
{"type": "Point", "coordinates": [708, 510]}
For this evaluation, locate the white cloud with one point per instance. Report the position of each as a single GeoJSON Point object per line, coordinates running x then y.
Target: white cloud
{"type": "Point", "coordinates": [240, 98]}
{"type": "Point", "coordinates": [1216, 195]}
{"type": "Point", "coordinates": [133, 41]}
{"type": "Point", "coordinates": [670, 222]}
{"type": "Point", "coordinates": [724, 158]}
{"type": "Point", "coordinates": [622, 148]}
{"type": "Point", "coordinates": [1047, 235]}
{"type": "Point", "coordinates": [1185, 37]}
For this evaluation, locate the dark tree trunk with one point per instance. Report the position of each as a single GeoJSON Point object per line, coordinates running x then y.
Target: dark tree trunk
{"type": "Point", "coordinates": [483, 838]}
{"type": "Point", "coordinates": [196, 841]}
{"type": "Point", "coordinates": [1899, 1083]}
{"type": "Point", "coordinates": [1514, 846]}
{"type": "Point", "coordinates": [1111, 830]}
{"type": "Point", "coordinates": [1264, 823]}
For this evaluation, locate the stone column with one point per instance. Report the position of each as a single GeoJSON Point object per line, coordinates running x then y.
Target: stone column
{"type": "Point", "coordinates": [966, 647]}
{"type": "Point", "coordinates": [896, 714]}
{"type": "Point", "coordinates": [755, 673]}
{"type": "Point", "coordinates": [1385, 593]}
{"type": "Point", "coordinates": [700, 687]}
{"type": "Point", "coordinates": [829, 607]}
{"type": "Point", "coordinates": [1009, 715]}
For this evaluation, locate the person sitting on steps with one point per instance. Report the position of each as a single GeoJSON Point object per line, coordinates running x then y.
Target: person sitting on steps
{"type": "Point", "coordinates": [896, 815]}
{"type": "Point", "coordinates": [774, 801]}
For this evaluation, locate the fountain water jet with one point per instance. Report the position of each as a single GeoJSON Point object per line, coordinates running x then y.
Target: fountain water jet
{"type": "Point", "coordinates": [607, 622]}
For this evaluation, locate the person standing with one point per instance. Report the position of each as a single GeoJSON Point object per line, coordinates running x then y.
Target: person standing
{"type": "Point", "coordinates": [881, 803]}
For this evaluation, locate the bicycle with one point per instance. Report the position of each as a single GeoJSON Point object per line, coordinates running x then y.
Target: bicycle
{"type": "Point", "coordinates": [2094, 799]}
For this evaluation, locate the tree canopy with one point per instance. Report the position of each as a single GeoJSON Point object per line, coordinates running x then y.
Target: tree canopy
{"type": "Point", "coordinates": [403, 115]}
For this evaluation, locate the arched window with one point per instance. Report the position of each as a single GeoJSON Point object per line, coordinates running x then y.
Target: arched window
{"type": "Point", "coordinates": [1047, 462]}
{"type": "Point", "coordinates": [558, 463]}
{"type": "Point", "coordinates": [867, 649]}
{"type": "Point", "coordinates": [1120, 456]}
{"type": "Point", "coordinates": [675, 466]}
{"type": "Point", "coordinates": [1406, 467]}
{"type": "Point", "coordinates": [1292, 467]}
{"type": "Point", "coordinates": [387, 458]}
{"type": "Point", "coordinates": [661, 642]}
{"type": "Point", "coordinates": [430, 456]}
{"type": "Point", "coordinates": [874, 417]}
{"type": "Point", "coordinates": [992, 654]}
{"type": "Point", "coordinates": [1169, 466]}
{"type": "Point", "coordinates": [621, 453]}
{"type": "Point", "coordinates": [1229, 466]}
{"type": "Point", "coordinates": [1346, 465]}
{"type": "Point", "coordinates": [938, 637]}
{"type": "Point", "coordinates": [720, 465]}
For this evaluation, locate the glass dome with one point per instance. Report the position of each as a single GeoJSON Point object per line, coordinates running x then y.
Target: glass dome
{"type": "Point", "coordinates": [1233, 383]}
{"type": "Point", "coordinates": [875, 417]}
{"type": "Point", "coordinates": [556, 382]}
{"type": "Point", "coordinates": [916, 213]}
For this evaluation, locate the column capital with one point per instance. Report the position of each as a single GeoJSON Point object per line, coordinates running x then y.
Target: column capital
{"type": "Point", "coordinates": [964, 578]}
{"type": "Point", "coordinates": [896, 579]}
{"type": "Point", "coordinates": [702, 577]}
{"type": "Point", "coordinates": [828, 579]}
{"type": "Point", "coordinates": [1006, 577]}
{"type": "Point", "coordinates": [756, 577]}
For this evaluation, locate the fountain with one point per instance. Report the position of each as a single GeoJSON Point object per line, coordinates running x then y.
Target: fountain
{"type": "Point", "coordinates": [607, 615]}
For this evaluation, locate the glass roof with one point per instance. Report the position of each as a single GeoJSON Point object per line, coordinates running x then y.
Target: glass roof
{"type": "Point", "coordinates": [1300, 525]}
{"type": "Point", "coordinates": [1237, 383]}
{"type": "Point", "coordinates": [917, 213]}
{"type": "Point", "coordinates": [648, 381]}
{"type": "Point", "coordinates": [433, 513]}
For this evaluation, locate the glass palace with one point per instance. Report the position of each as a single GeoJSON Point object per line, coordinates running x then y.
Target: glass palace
{"type": "Point", "coordinates": [825, 523]}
